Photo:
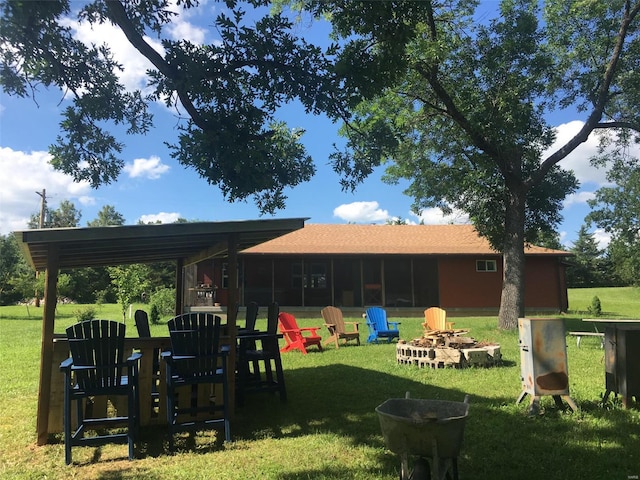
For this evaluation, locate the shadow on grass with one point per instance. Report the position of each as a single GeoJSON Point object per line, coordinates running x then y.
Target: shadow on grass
{"type": "Point", "coordinates": [501, 440]}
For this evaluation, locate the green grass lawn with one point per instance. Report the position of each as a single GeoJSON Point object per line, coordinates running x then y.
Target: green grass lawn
{"type": "Point", "coordinates": [329, 430]}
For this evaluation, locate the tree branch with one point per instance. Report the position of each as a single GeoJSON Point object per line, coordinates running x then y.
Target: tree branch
{"type": "Point", "coordinates": [118, 15]}
{"type": "Point", "coordinates": [618, 124]}
{"type": "Point", "coordinates": [593, 121]}
{"type": "Point", "coordinates": [430, 74]}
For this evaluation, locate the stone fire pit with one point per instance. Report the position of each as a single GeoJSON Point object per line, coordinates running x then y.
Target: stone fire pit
{"type": "Point", "coordinates": [447, 348]}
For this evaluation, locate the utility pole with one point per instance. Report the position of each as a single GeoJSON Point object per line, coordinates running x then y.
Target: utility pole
{"type": "Point", "coordinates": [43, 208]}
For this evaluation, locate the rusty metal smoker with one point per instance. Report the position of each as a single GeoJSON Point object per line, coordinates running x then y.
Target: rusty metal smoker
{"type": "Point", "coordinates": [543, 361]}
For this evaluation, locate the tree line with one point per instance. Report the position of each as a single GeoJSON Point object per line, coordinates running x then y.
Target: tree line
{"type": "Point", "coordinates": [123, 284]}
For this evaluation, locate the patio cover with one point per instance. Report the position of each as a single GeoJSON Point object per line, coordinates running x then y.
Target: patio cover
{"type": "Point", "coordinates": [186, 243]}
{"type": "Point", "coordinates": [120, 245]}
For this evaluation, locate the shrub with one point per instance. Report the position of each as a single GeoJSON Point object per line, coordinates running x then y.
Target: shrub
{"type": "Point", "coordinates": [86, 313]}
{"type": "Point", "coordinates": [595, 308]}
{"type": "Point", "coordinates": [154, 315]}
{"type": "Point", "coordinates": [164, 301]}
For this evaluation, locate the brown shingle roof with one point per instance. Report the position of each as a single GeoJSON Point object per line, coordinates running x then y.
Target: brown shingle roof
{"type": "Point", "coordinates": [384, 239]}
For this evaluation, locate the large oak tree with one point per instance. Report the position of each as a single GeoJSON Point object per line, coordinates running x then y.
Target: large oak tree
{"type": "Point", "coordinates": [458, 101]}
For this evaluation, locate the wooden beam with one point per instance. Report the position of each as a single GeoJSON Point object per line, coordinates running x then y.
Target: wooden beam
{"type": "Point", "coordinates": [232, 307]}
{"type": "Point", "coordinates": [46, 348]}
{"type": "Point", "coordinates": [179, 287]}
{"type": "Point", "coordinates": [218, 250]}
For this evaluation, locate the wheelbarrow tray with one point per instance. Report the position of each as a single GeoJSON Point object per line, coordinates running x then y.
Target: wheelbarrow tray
{"type": "Point", "coordinates": [415, 426]}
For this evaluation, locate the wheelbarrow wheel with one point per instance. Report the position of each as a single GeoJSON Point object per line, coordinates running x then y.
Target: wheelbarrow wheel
{"type": "Point", "coordinates": [421, 470]}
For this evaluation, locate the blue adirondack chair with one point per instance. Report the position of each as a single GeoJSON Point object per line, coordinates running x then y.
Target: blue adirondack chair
{"type": "Point", "coordinates": [379, 326]}
{"type": "Point", "coordinates": [196, 364]}
{"type": "Point", "coordinates": [97, 367]}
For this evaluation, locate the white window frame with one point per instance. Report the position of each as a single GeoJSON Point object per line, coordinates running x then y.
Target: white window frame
{"type": "Point", "coordinates": [486, 266]}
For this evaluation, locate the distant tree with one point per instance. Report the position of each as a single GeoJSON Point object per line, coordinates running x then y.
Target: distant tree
{"type": "Point", "coordinates": [460, 107]}
{"type": "Point", "coordinates": [162, 274]}
{"type": "Point", "coordinates": [107, 216]}
{"type": "Point", "coordinates": [89, 282]}
{"type": "Point", "coordinates": [396, 221]}
{"type": "Point", "coordinates": [12, 267]}
{"type": "Point", "coordinates": [163, 303]}
{"type": "Point", "coordinates": [587, 267]}
{"type": "Point", "coordinates": [616, 209]}
{"type": "Point", "coordinates": [91, 285]}
{"type": "Point", "coordinates": [66, 215]}
{"type": "Point", "coordinates": [130, 282]}
{"type": "Point", "coordinates": [549, 239]}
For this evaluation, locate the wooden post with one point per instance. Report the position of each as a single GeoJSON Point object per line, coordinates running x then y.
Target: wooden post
{"type": "Point", "coordinates": [232, 310]}
{"type": "Point", "coordinates": [179, 287]}
{"type": "Point", "coordinates": [46, 348]}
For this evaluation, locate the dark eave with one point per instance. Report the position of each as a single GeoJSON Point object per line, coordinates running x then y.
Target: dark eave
{"type": "Point", "coordinates": [121, 245]}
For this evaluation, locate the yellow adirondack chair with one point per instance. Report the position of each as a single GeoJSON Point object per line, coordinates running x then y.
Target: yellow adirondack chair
{"type": "Point", "coordinates": [436, 319]}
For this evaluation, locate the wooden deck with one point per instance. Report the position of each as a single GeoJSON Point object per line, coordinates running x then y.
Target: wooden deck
{"type": "Point", "coordinates": [151, 413]}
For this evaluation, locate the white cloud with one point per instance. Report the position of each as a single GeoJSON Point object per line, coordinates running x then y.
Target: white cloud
{"type": "Point", "coordinates": [361, 212]}
{"type": "Point", "coordinates": [578, 160]}
{"type": "Point", "coordinates": [564, 239]}
{"type": "Point", "coordinates": [602, 238]}
{"type": "Point", "coordinates": [151, 168]}
{"type": "Point", "coordinates": [181, 29]}
{"type": "Point", "coordinates": [579, 198]}
{"type": "Point", "coordinates": [162, 217]}
{"type": "Point", "coordinates": [86, 200]}
{"type": "Point", "coordinates": [434, 216]}
{"type": "Point", "coordinates": [26, 173]}
{"type": "Point", "coordinates": [135, 65]}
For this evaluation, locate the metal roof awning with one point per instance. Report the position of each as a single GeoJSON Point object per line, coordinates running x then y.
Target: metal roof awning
{"type": "Point", "coordinates": [120, 245]}
{"type": "Point", "coordinates": [54, 249]}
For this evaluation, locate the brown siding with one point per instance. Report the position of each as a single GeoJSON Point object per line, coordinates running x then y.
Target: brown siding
{"type": "Point", "coordinates": [462, 287]}
{"type": "Point", "coordinates": [542, 277]}
{"type": "Point", "coordinates": [448, 281]}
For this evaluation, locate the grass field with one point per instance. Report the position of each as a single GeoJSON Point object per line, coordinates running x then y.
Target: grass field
{"type": "Point", "coordinates": [329, 430]}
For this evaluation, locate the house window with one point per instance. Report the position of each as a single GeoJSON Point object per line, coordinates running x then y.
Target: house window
{"type": "Point", "coordinates": [318, 275]}
{"type": "Point", "coordinates": [296, 275]}
{"type": "Point", "coordinates": [486, 266]}
{"type": "Point", "coordinates": [225, 275]}
{"type": "Point", "coordinates": [313, 276]}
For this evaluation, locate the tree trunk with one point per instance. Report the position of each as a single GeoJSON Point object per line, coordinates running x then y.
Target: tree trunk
{"type": "Point", "coordinates": [512, 300]}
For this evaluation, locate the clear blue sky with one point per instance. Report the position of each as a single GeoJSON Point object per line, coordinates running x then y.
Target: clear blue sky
{"type": "Point", "coordinates": [153, 186]}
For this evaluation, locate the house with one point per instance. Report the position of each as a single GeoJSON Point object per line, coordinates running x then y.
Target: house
{"type": "Point", "coordinates": [404, 267]}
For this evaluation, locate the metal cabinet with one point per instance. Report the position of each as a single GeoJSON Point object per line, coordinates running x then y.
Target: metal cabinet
{"type": "Point", "coordinates": [622, 370]}
{"type": "Point", "coordinates": [543, 361]}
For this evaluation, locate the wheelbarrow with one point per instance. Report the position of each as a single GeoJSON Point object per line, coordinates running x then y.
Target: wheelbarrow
{"type": "Point", "coordinates": [429, 429]}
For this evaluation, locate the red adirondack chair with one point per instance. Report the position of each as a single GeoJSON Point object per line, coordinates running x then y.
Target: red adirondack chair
{"type": "Point", "coordinates": [294, 336]}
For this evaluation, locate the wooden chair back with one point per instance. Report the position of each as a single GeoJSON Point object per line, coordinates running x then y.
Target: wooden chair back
{"type": "Point", "coordinates": [195, 340]}
{"type": "Point", "coordinates": [333, 316]}
{"type": "Point", "coordinates": [435, 318]}
{"type": "Point", "coordinates": [142, 323]}
{"type": "Point", "coordinates": [251, 316]}
{"type": "Point", "coordinates": [98, 344]}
